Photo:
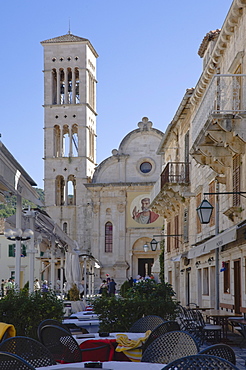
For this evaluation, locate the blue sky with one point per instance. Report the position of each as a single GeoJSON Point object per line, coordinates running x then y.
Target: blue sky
{"type": "Point", "coordinates": [147, 59]}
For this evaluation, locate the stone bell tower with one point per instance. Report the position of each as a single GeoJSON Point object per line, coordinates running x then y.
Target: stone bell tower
{"type": "Point", "coordinates": [69, 131]}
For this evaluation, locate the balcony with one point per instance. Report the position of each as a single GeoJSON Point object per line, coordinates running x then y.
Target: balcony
{"type": "Point", "coordinates": [167, 194]}
{"type": "Point", "coordinates": [218, 129]}
{"type": "Point", "coordinates": [175, 173]}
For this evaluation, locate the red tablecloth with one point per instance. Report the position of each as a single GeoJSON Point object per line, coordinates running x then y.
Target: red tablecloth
{"type": "Point", "coordinates": [104, 354]}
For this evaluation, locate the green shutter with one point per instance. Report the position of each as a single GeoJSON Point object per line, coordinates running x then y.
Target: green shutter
{"type": "Point", "coordinates": [11, 250]}
{"type": "Point", "coordinates": [23, 250]}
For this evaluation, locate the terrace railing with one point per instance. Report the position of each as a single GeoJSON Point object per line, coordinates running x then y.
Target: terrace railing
{"type": "Point", "coordinates": [175, 173]}
{"type": "Point", "coordinates": [226, 94]}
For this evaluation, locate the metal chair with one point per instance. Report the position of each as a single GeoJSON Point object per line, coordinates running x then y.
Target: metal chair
{"type": "Point", "coordinates": [145, 323]}
{"type": "Point", "coordinates": [221, 350]}
{"type": "Point", "coordinates": [200, 362]}
{"type": "Point", "coordinates": [32, 351]}
{"type": "Point", "coordinates": [64, 347]}
{"type": "Point", "coordinates": [69, 327]}
{"type": "Point", "coordinates": [241, 328]}
{"type": "Point", "coordinates": [169, 347]}
{"type": "Point", "coordinates": [193, 322]}
{"type": "Point", "coordinates": [161, 329]}
{"type": "Point", "coordinates": [9, 361]}
{"type": "Point", "coordinates": [211, 332]}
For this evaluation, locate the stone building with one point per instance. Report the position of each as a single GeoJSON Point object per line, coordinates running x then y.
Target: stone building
{"type": "Point", "coordinates": [209, 266]}
{"type": "Point", "coordinates": [95, 205]}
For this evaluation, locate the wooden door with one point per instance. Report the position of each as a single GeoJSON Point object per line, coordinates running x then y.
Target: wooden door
{"type": "Point", "coordinates": [237, 286]}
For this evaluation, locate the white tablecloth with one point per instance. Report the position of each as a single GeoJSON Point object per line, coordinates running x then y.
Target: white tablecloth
{"type": "Point", "coordinates": [91, 325]}
{"type": "Point", "coordinates": [85, 315]}
{"type": "Point", "coordinates": [81, 338]}
{"type": "Point", "coordinates": [114, 365]}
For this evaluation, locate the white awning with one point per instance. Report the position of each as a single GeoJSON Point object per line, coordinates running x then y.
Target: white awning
{"type": "Point", "coordinates": [176, 258]}
{"type": "Point", "coordinates": [224, 238]}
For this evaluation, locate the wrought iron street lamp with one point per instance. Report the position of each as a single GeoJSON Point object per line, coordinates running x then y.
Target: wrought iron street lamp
{"type": "Point", "coordinates": [204, 211]}
{"type": "Point", "coordinates": [146, 247]}
{"type": "Point", "coordinates": [153, 245]}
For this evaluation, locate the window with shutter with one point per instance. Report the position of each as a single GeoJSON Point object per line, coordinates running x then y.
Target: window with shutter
{"type": "Point", "coordinates": [198, 223]}
{"type": "Point", "coordinates": [11, 250]}
{"type": "Point", "coordinates": [168, 238]}
{"type": "Point", "coordinates": [23, 250]}
{"type": "Point", "coordinates": [186, 226]}
{"type": "Point", "coordinates": [227, 277]}
{"type": "Point", "coordinates": [236, 179]}
{"type": "Point", "coordinates": [212, 201]}
{"type": "Point", "coordinates": [176, 232]}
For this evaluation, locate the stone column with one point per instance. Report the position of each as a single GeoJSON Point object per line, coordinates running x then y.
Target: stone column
{"type": "Point", "coordinates": [58, 88]}
{"type": "Point", "coordinates": [73, 86]}
{"type": "Point", "coordinates": [66, 86]}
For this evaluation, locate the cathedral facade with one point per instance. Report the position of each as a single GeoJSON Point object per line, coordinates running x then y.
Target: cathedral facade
{"type": "Point", "coordinates": [105, 208]}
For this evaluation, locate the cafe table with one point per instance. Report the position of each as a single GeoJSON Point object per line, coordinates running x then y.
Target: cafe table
{"type": "Point", "coordinates": [90, 315]}
{"type": "Point", "coordinates": [80, 338]}
{"type": "Point", "coordinates": [91, 325]}
{"type": "Point", "coordinates": [110, 365]}
{"type": "Point", "coordinates": [221, 318]}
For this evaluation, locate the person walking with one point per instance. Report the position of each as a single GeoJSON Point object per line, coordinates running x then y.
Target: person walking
{"type": "Point", "coordinates": [111, 287]}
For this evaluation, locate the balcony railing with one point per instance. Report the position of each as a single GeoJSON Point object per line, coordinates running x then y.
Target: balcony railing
{"type": "Point", "coordinates": [175, 173]}
{"type": "Point", "coordinates": [226, 94]}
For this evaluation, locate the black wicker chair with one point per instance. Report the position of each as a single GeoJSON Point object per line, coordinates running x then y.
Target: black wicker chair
{"type": "Point", "coordinates": [161, 329]}
{"type": "Point", "coordinates": [32, 351]}
{"type": "Point", "coordinates": [149, 322]}
{"type": "Point", "coordinates": [199, 361]}
{"type": "Point", "coordinates": [169, 347]}
{"type": "Point", "coordinates": [64, 347]}
{"type": "Point", "coordinates": [193, 322]}
{"type": "Point", "coordinates": [221, 350]}
{"type": "Point", "coordinates": [9, 361]}
{"type": "Point", "coordinates": [211, 332]}
{"type": "Point", "coordinates": [69, 327]}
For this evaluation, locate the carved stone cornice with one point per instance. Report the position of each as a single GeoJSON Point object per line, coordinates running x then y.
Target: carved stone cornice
{"type": "Point", "coordinates": [223, 39]}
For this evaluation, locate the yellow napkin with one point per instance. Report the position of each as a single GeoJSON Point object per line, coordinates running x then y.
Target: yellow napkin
{"type": "Point", "coordinates": [7, 328]}
{"type": "Point", "coordinates": [130, 347]}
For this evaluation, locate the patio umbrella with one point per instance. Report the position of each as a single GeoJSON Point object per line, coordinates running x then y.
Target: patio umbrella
{"type": "Point", "coordinates": [76, 272]}
{"type": "Point", "coordinates": [73, 272]}
{"type": "Point", "coordinates": [68, 271]}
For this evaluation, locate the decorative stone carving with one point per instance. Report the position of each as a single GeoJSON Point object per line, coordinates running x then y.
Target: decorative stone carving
{"type": "Point", "coordinates": [96, 208]}
{"type": "Point", "coordinates": [145, 124]}
{"type": "Point", "coordinates": [121, 207]}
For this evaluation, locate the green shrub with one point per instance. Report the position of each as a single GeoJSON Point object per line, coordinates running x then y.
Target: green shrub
{"type": "Point", "coordinates": [25, 311]}
{"type": "Point", "coordinates": [144, 298]}
{"type": "Point", "coordinates": [73, 293]}
{"type": "Point", "coordinates": [124, 288]}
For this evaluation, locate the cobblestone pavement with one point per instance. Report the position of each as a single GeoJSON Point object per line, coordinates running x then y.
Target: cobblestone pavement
{"type": "Point", "coordinates": [238, 344]}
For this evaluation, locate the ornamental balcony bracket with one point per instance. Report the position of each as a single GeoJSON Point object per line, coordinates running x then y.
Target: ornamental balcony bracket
{"type": "Point", "coordinates": [167, 202]}
{"type": "Point", "coordinates": [174, 182]}
{"type": "Point", "coordinates": [219, 125]}
{"type": "Point", "coordinates": [234, 213]}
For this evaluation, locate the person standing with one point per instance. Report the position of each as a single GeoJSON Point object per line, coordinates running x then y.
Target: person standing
{"type": "Point", "coordinates": [111, 287]}
{"type": "Point", "coordinates": [45, 287]}
{"type": "Point", "coordinates": [2, 287]}
{"type": "Point", "coordinates": [36, 285]}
